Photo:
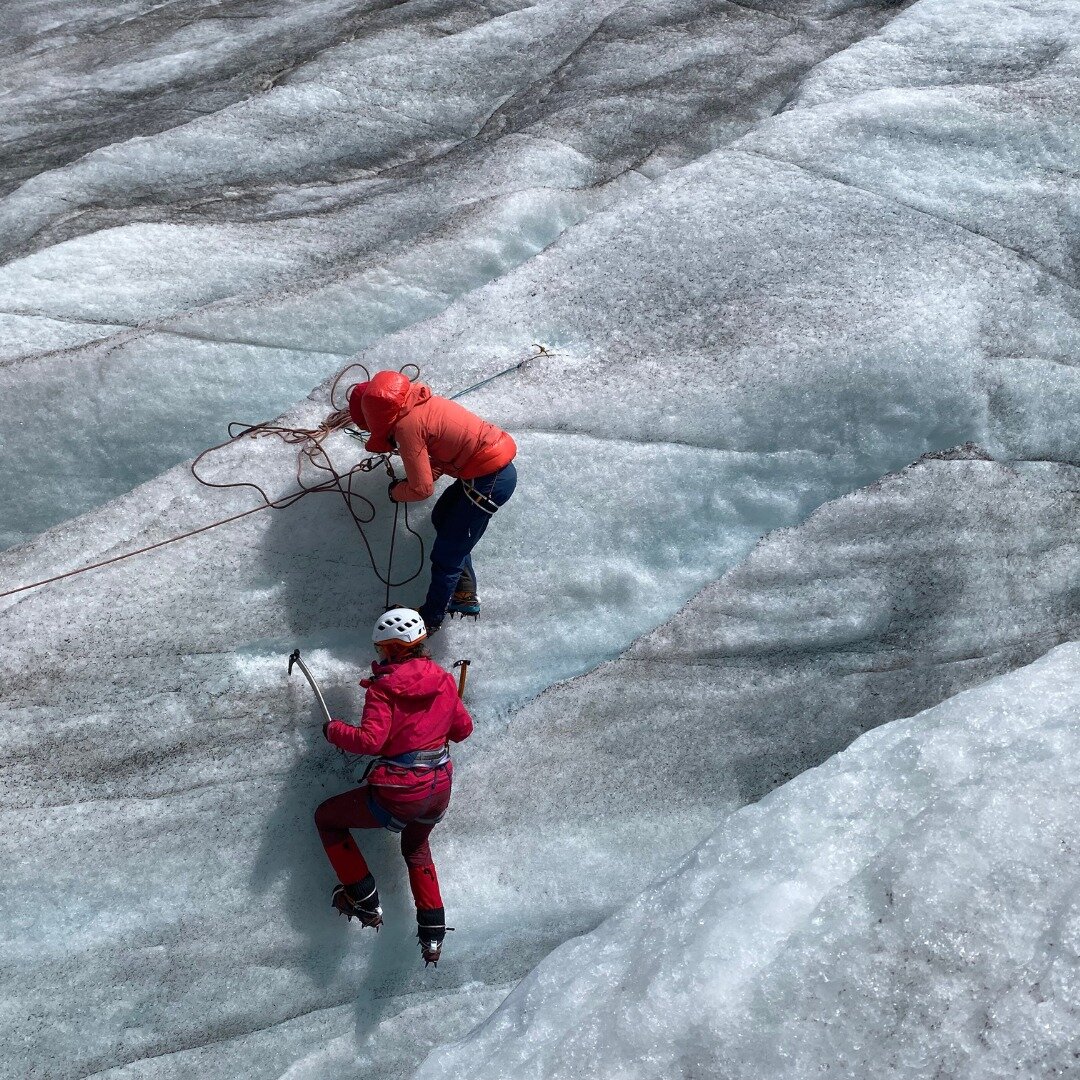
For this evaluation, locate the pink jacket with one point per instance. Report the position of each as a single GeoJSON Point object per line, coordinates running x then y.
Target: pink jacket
{"type": "Point", "coordinates": [433, 434]}
{"type": "Point", "coordinates": [412, 705]}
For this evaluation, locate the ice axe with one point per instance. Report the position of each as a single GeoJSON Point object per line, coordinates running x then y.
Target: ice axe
{"type": "Point", "coordinates": [294, 658]}
{"type": "Point", "coordinates": [462, 676]}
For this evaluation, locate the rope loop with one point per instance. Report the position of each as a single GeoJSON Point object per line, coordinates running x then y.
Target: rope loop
{"type": "Point", "coordinates": [313, 457]}
{"type": "Point", "coordinates": [337, 380]}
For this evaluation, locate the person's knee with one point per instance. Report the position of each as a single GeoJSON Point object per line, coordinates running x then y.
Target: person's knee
{"type": "Point", "coordinates": [323, 815]}
{"type": "Point", "coordinates": [448, 568]}
{"type": "Point", "coordinates": [447, 558]}
{"type": "Point", "coordinates": [416, 855]}
{"type": "Point", "coordinates": [419, 860]}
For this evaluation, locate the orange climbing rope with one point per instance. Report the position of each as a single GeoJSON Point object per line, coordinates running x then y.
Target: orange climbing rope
{"type": "Point", "coordinates": [131, 554]}
{"type": "Point", "coordinates": [311, 453]}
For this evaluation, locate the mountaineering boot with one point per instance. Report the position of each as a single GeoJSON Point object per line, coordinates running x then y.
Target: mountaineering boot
{"type": "Point", "coordinates": [465, 603]}
{"type": "Point", "coordinates": [360, 901]}
{"type": "Point", "coordinates": [430, 931]}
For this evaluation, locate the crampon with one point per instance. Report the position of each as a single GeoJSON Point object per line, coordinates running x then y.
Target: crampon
{"type": "Point", "coordinates": [368, 911]}
{"type": "Point", "coordinates": [430, 932]}
{"type": "Point", "coordinates": [431, 950]}
{"type": "Point", "coordinates": [465, 605]}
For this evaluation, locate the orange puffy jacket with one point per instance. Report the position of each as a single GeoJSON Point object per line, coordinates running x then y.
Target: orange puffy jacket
{"type": "Point", "coordinates": [433, 434]}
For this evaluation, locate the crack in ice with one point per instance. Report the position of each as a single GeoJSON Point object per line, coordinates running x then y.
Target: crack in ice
{"type": "Point", "coordinates": [1031, 261]}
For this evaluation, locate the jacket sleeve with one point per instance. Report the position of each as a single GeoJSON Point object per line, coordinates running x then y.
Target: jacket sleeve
{"type": "Point", "coordinates": [420, 477]}
{"type": "Point", "coordinates": [461, 725]}
{"type": "Point", "coordinates": [370, 737]}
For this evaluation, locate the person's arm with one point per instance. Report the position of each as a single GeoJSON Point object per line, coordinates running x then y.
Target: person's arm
{"type": "Point", "coordinates": [420, 476]}
{"type": "Point", "coordinates": [370, 737]}
{"type": "Point", "coordinates": [461, 725]}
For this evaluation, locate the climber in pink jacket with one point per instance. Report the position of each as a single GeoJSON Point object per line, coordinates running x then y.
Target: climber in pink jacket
{"type": "Point", "coordinates": [435, 436]}
{"type": "Point", "coordinates": [412, 712]}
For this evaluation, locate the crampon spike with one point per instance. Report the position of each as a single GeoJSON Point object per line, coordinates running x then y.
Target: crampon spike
{"type": "Point", "coordinates": [344, 905]}
{"type": "Point", "coordinates": [431, 951]}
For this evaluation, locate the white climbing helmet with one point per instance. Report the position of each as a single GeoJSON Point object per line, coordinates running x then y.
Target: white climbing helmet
{"type": "Point", "coordinates": [399, 625]}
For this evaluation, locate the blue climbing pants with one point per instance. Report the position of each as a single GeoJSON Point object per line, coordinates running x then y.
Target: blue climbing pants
{"type": "Point", "coordinates": [459, 523]}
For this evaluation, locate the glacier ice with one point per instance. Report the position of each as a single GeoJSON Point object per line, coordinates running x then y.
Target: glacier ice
{"type": "Point", "coordinates": [208, 246]}
{"type": "Point", "coordinates": [751, 318]}
{"type": "Point", "coordinates": [208, 765]}
{"type": "Point", "coordinates": [908, 908]}
{"type": "Point", "coordinates": [997, 80]}
{"type": "Point", "coordinates": [881, 603]}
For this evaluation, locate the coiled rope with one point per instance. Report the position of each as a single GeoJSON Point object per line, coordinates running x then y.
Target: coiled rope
{"type": "Point", "coordinates": [312, 453]}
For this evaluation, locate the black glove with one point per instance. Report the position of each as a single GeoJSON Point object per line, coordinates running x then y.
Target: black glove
{"type": "Point", "coordinates": [390, 489]}
{"type": "Point", "coordinates": [325, 729]}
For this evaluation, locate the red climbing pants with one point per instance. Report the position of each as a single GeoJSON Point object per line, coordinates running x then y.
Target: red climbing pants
{"type": "Point", "coordinates": [353, 810]}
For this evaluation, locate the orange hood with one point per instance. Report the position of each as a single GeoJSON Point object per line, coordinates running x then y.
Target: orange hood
{"type": "Point", "coordinates": [382, 402]}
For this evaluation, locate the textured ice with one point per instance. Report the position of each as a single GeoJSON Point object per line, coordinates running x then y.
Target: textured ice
{"type": "Point", "coordinates": [80, 76]}
{"type": "Point", "coordinates": [908, 908]}
{"type": "Point", "coordinates": [880, 604]}
{"type": "Point", "coordinates": [161, 775]}
{"type": "Point", "coordinates": [737, 340]}
{"type": "Point", "coordinates": [997, 80]}
{"type": "Point", "coordinates": [432, 149]}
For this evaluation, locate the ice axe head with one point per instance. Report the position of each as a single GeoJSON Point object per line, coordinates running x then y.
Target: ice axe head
{"type": "Point", "coordinates": [464, 665]}
{"type": "Point", "coordinates": [293, 657]}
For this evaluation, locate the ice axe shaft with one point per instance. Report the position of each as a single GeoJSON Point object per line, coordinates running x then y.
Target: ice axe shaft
{"type": "Point", "coordinates": [294, 658]}
{"type": "Point", "coordinates": [462, 676]}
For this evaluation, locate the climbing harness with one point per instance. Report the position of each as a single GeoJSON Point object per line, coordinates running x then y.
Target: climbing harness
{"type": "Point", "coordinates": [383, 816]}
{"type": "Point", "coordinates": [394, 824]}
{"type": "Point", "coordinates": [479, 499]}
{"type": "Point", "coordinates": [419, 761]}
{"type": "Point", "coordinates": [313, 454]}
{"type": "Point", "coordinates": [414, 761]}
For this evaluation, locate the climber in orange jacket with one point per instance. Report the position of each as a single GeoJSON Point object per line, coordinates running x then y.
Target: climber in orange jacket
{"type": "Point", "coordinates": [435, 436]}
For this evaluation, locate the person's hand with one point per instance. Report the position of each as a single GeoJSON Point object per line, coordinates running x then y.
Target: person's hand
{"type": "Point", "coordinates": [390, 489]}
{"type": "Point", "coordinates": [325, 729]}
